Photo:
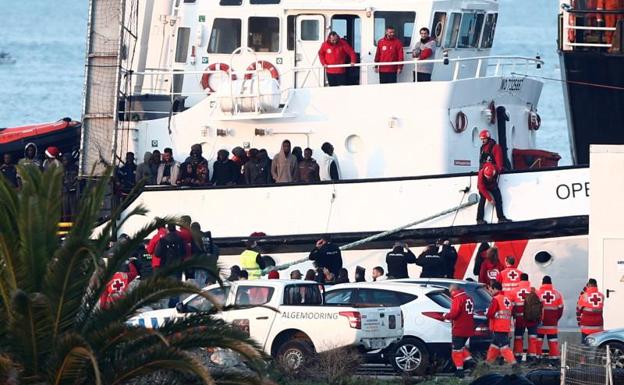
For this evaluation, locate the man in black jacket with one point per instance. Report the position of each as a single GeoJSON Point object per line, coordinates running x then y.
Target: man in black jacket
{"type": "Point", "coordinates": [449, 256]}
{"type": "Point", "coordinates": [397, 261]}
{"type": "Point", "coordinates": [171, 250]}
{"type": "Point", "coordinates": [432, 263]}
{"type": "Point", "coordinates": [326, 254]}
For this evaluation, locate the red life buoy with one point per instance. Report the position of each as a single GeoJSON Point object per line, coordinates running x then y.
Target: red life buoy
{"type": "Point", "coordinates": [535, 121]}
{"type": "Point", "coordinates": [205, 80]}
{"type": "Point", "coordinates": [265, 66]}
{"type": "Point", "coordinates": [492, 108]}
{"type": "Point", "coordinates": [461, 122]}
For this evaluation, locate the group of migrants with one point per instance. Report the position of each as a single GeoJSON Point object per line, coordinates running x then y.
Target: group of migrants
{"type": "Point", "coordinates": [335, 53]}
{"type": "Point", "coordinates": [52, 158]}
{"type": "Point", "coordinates": [251, 167]}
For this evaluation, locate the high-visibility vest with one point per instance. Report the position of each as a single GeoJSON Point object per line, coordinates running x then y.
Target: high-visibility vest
{"type": "Point", "coordinates": [501, 320]}
{"type": "Point", "coordinates": [510, 279]}
{"type": "Point", "coordinates": [248, 262]}
{"type": "Point", "coordinates": [591, 304]}
{"type": "Point", "coordinates": [552, 310]}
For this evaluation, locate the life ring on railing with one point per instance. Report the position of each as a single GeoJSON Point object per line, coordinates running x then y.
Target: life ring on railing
{"type": "Point", "coordinates": [492, 108]}
{"type": "Point", "coordinates": [205, 80]}
{"type": "Point", "coordinates": [461, 122]}
{"type": "Point", "coordinates": [268, 66]}
{"type": "Point", "coordinates": [535, 121]}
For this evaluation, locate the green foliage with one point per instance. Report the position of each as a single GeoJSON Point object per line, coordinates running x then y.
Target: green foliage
{"type": "Point", "coordinates": [52, 330]}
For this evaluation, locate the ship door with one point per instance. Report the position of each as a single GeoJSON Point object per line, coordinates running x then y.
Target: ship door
{"type": "Point", "coordinates": [613, 280]}
{"type": "Point", "coordinates": [310, 34]}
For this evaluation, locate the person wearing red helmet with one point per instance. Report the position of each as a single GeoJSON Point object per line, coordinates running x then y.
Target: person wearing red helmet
{"type": "Point", "coordinates": [487, 183]}
{"type": "Point", "coordinates": [52, 157]}
{"type": "Point", "coordinates": [491, 152]}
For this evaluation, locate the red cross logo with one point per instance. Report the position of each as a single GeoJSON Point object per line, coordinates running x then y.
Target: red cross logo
{"type": "Point", "coordinates": [595, 299]}
{"type": "Point", "coordinates": [469, 306]}
{"type": "Point", "coordinates": [522, 294]}
{"type": "Point", "coordinates": [548, 297]}
{"type": "Point", "coordinates": [507, 302]}
{"type": "Point", "coordinates": [118, 285]}
{"type": "Point", "coordinates": [512, 275]}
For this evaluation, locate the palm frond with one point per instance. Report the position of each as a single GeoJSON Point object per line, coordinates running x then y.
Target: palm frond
{"type": "Point", "coordinates": [73, 360]}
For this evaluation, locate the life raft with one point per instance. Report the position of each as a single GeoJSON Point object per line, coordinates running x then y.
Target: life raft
{"type": "Point", "coordinates": [214, 67]}
{"type": "Point", "coordinates": [266, 66]}
{"type": "Point", "coordinates": [64, 134]}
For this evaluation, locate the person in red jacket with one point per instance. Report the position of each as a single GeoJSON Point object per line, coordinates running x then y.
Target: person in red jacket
{"type": "Point", "coordinates": [518, 295]}
{"type": "Point", "coordinates": [552, 310]}
{"type": "Point", "coordinates": [151, 246]}
{"type": "Point", "coordinates": [490, 152]}
{"type": "Point", "coordinates": [389, 49]}
{"type": "Point", "coordinates": [591, 305]}
{"type": "Point", "coordinates": [461, 315]}
{"type": "Point", "coordinates": [491, 267]}
{"type": "Point", "coordinates": [335, 51]}
{"type": "Point", "coordinates": [117, 287]}
{"type": "Point", "coordinates": [487, 183]}
{"type": "Point", "coordinates": [499, 314]}
{"type": "Point", "coordinates": [510, 277]}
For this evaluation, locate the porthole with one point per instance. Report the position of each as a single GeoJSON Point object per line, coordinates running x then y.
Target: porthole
{"type": "Point", "coordinates": [543, 258]}
{"type": "Point", "coordinates": [354, 144]}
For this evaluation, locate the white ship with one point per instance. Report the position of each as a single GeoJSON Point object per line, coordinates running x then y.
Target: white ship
{"type": "Point", "coordinates": [246, 73]}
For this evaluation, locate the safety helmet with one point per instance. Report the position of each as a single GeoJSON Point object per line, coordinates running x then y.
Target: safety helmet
{"type": "Point", "coordinates": [489, 170]}
{"type": "Point", "coordinates": [484, 134]}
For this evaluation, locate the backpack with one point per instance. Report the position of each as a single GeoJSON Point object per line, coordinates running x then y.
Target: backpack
{"type": "Point", "coordinates": [532, 307]}
{"type": "Point", "coordinates": [170, 250]}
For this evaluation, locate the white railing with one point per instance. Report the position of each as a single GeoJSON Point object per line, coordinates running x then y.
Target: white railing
{"type": "Point", "coordinates": [569, 28]}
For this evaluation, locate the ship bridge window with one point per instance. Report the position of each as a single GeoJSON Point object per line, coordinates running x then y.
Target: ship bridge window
{"type": "Point", "coordinates": [230, 2]}
{"type": "Point", "coordinates": [264, 1]}
{"type": "Point", "coordinates": [470, 30]}
{"type": "Point", "coordinates": [225, 36]}
{"type": "Point", "coordinates": [349, 27]}
{"type": "Point", "coordinates": [182, 44]}
{"type": "Point", "coordinates": [263, 34]}
{"type": "Point", "coordinates": [488, 30]}
{"type": "Point", "coordinates": [453, 31]}
{"type": "Point", "coordinates": [402, 21]}
{"type": "Point", "coordinates": [437, 28]}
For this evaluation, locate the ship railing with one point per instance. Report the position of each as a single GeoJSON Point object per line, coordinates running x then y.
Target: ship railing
{"type": "Point", "coordinates": [494, 66]}
{"type": "Point", "coordinates": [598, 36]}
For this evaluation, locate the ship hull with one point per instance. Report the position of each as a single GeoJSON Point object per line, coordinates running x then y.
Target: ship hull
{"type": "Point", "coordinates": [594, 95]}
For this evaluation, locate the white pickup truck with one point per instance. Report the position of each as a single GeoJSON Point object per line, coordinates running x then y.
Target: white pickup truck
{"type": "Point", "coordinates": [293, 322]}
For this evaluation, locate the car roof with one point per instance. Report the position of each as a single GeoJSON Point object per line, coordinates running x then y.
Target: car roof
{"type": "Point", "coordinates": [437, 281]}
{"type": "Point", "coordinates": [385, 285]}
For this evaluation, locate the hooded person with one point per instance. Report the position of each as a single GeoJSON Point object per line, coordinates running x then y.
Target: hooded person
{"type": "Point", "coordinates": [224, 170]}
{"type": "Point", "coordinates": [30, 155]}
{"type": "Point", "coordinates": [144, 171]}
{"type": "Point", "coordinates": [328, 163]}
{"type": "Point", "coordinates": [52, 155]}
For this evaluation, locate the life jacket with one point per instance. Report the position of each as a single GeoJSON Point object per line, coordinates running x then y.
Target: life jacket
{"type": "Point", "coordinates": [552, 309]}
{"type": "Point", "coordinates": [500, 321]}
{"type": "Point", "coordinates": [248, 262]}
{"type": "Point", "coordinates": [115, 289]}
{"type": "Point", "coordinates": [461, 314]}
{"type": "Point", "coordinates": [591, 305]}
{"type": "Point", "coordinates": [518, 296]}
{"type": "Point", "coordinates": [487, 154]}
{"type": "Point", "coordinates": [510, 279]}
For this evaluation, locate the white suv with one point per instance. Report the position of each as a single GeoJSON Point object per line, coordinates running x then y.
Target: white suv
{"type": "Point", "coordinates": [426, 334]}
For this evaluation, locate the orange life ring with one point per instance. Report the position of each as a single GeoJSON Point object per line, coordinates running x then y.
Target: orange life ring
{"type": "Point", "coordinates": [205, 80]}
{"type": "Point", "coordinates": [535, 121]}
{"type": "Point", "coordinates": [461, 122]}
{"type": "Point", "coordinates": [265, 66]}
{"type": "Point", "coordinates": [492, 108]}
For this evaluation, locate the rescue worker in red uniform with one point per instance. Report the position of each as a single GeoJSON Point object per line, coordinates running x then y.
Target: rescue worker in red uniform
{"type": "Point", "coordinates": [518, 296]}
{"type": "Point", "coordinates": [591, 305]}
{"type": "Point", "coordinates": [389, 49]}
{"type": "Point", "coordinates": [491, 267]}
{"type": "Point", "coordinates": [117, 287]}
{"type": "Point", "coordinates": [487, 183]}
{"type": "Point", "coordinates": [461, 316]}
{"type": "Point", "coordinates": [490, 152]}
{"type": "Point", "coordinates": [510, 277]}
{"type": "Point", "coordinates": [151, 246]}
{"type": "Point", "coordinates": [499, 315]}
{"type": "Point", "coordinates": [336, 51]}
{"type": "Point", "coordinates": [552, 311]}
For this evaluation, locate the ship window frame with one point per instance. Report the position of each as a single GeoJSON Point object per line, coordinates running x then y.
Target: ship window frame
{"type": "Point", "coordinates": [452, 30]}
{"type": "Point", "coordinates": [274, 44]}
{"type": "Point", "coordinates": [229, 3]}
{"type": "Point", "coordinates": [264, 2]}
{"type": "Point", "coordinates": [492, 31]}
{"type": "Point", "coordinates": [227, 37]}
{"type": "Point", "coordinates": [182, 44]}
{"type": "Point", "coordinates": [312, 34]}
{"type": "Point", "coordinates": [400, 27]}
{"type": "Point", "coordinates": [473, 32]}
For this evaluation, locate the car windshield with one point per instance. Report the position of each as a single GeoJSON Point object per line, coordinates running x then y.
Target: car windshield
{"type": "Point", "coordinates": [199, 303]}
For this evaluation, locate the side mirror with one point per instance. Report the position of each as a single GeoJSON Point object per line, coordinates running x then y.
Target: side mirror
{"type": "Point", "coordinates": [180, 307]}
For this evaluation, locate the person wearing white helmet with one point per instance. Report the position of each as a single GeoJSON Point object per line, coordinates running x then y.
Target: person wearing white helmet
{"type": "Point", "coordinates": [487, 183]}
{"type": "Point", "coordinates": [490, 151]}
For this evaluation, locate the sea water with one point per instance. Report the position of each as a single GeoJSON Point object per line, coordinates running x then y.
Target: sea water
{"type": "Point", "coordinates": [47, 39]}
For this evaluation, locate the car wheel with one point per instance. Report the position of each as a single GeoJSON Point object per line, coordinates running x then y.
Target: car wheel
{"type": "Point", "coordinates": [295, 354]}
{"type": "Point", "coordinates": [617, 353]}
{"type": "Point", "coordinates": [410, 356]}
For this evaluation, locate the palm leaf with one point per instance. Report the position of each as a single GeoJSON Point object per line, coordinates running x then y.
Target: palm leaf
{"type": "Point", "coordinates": [73, 360]}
